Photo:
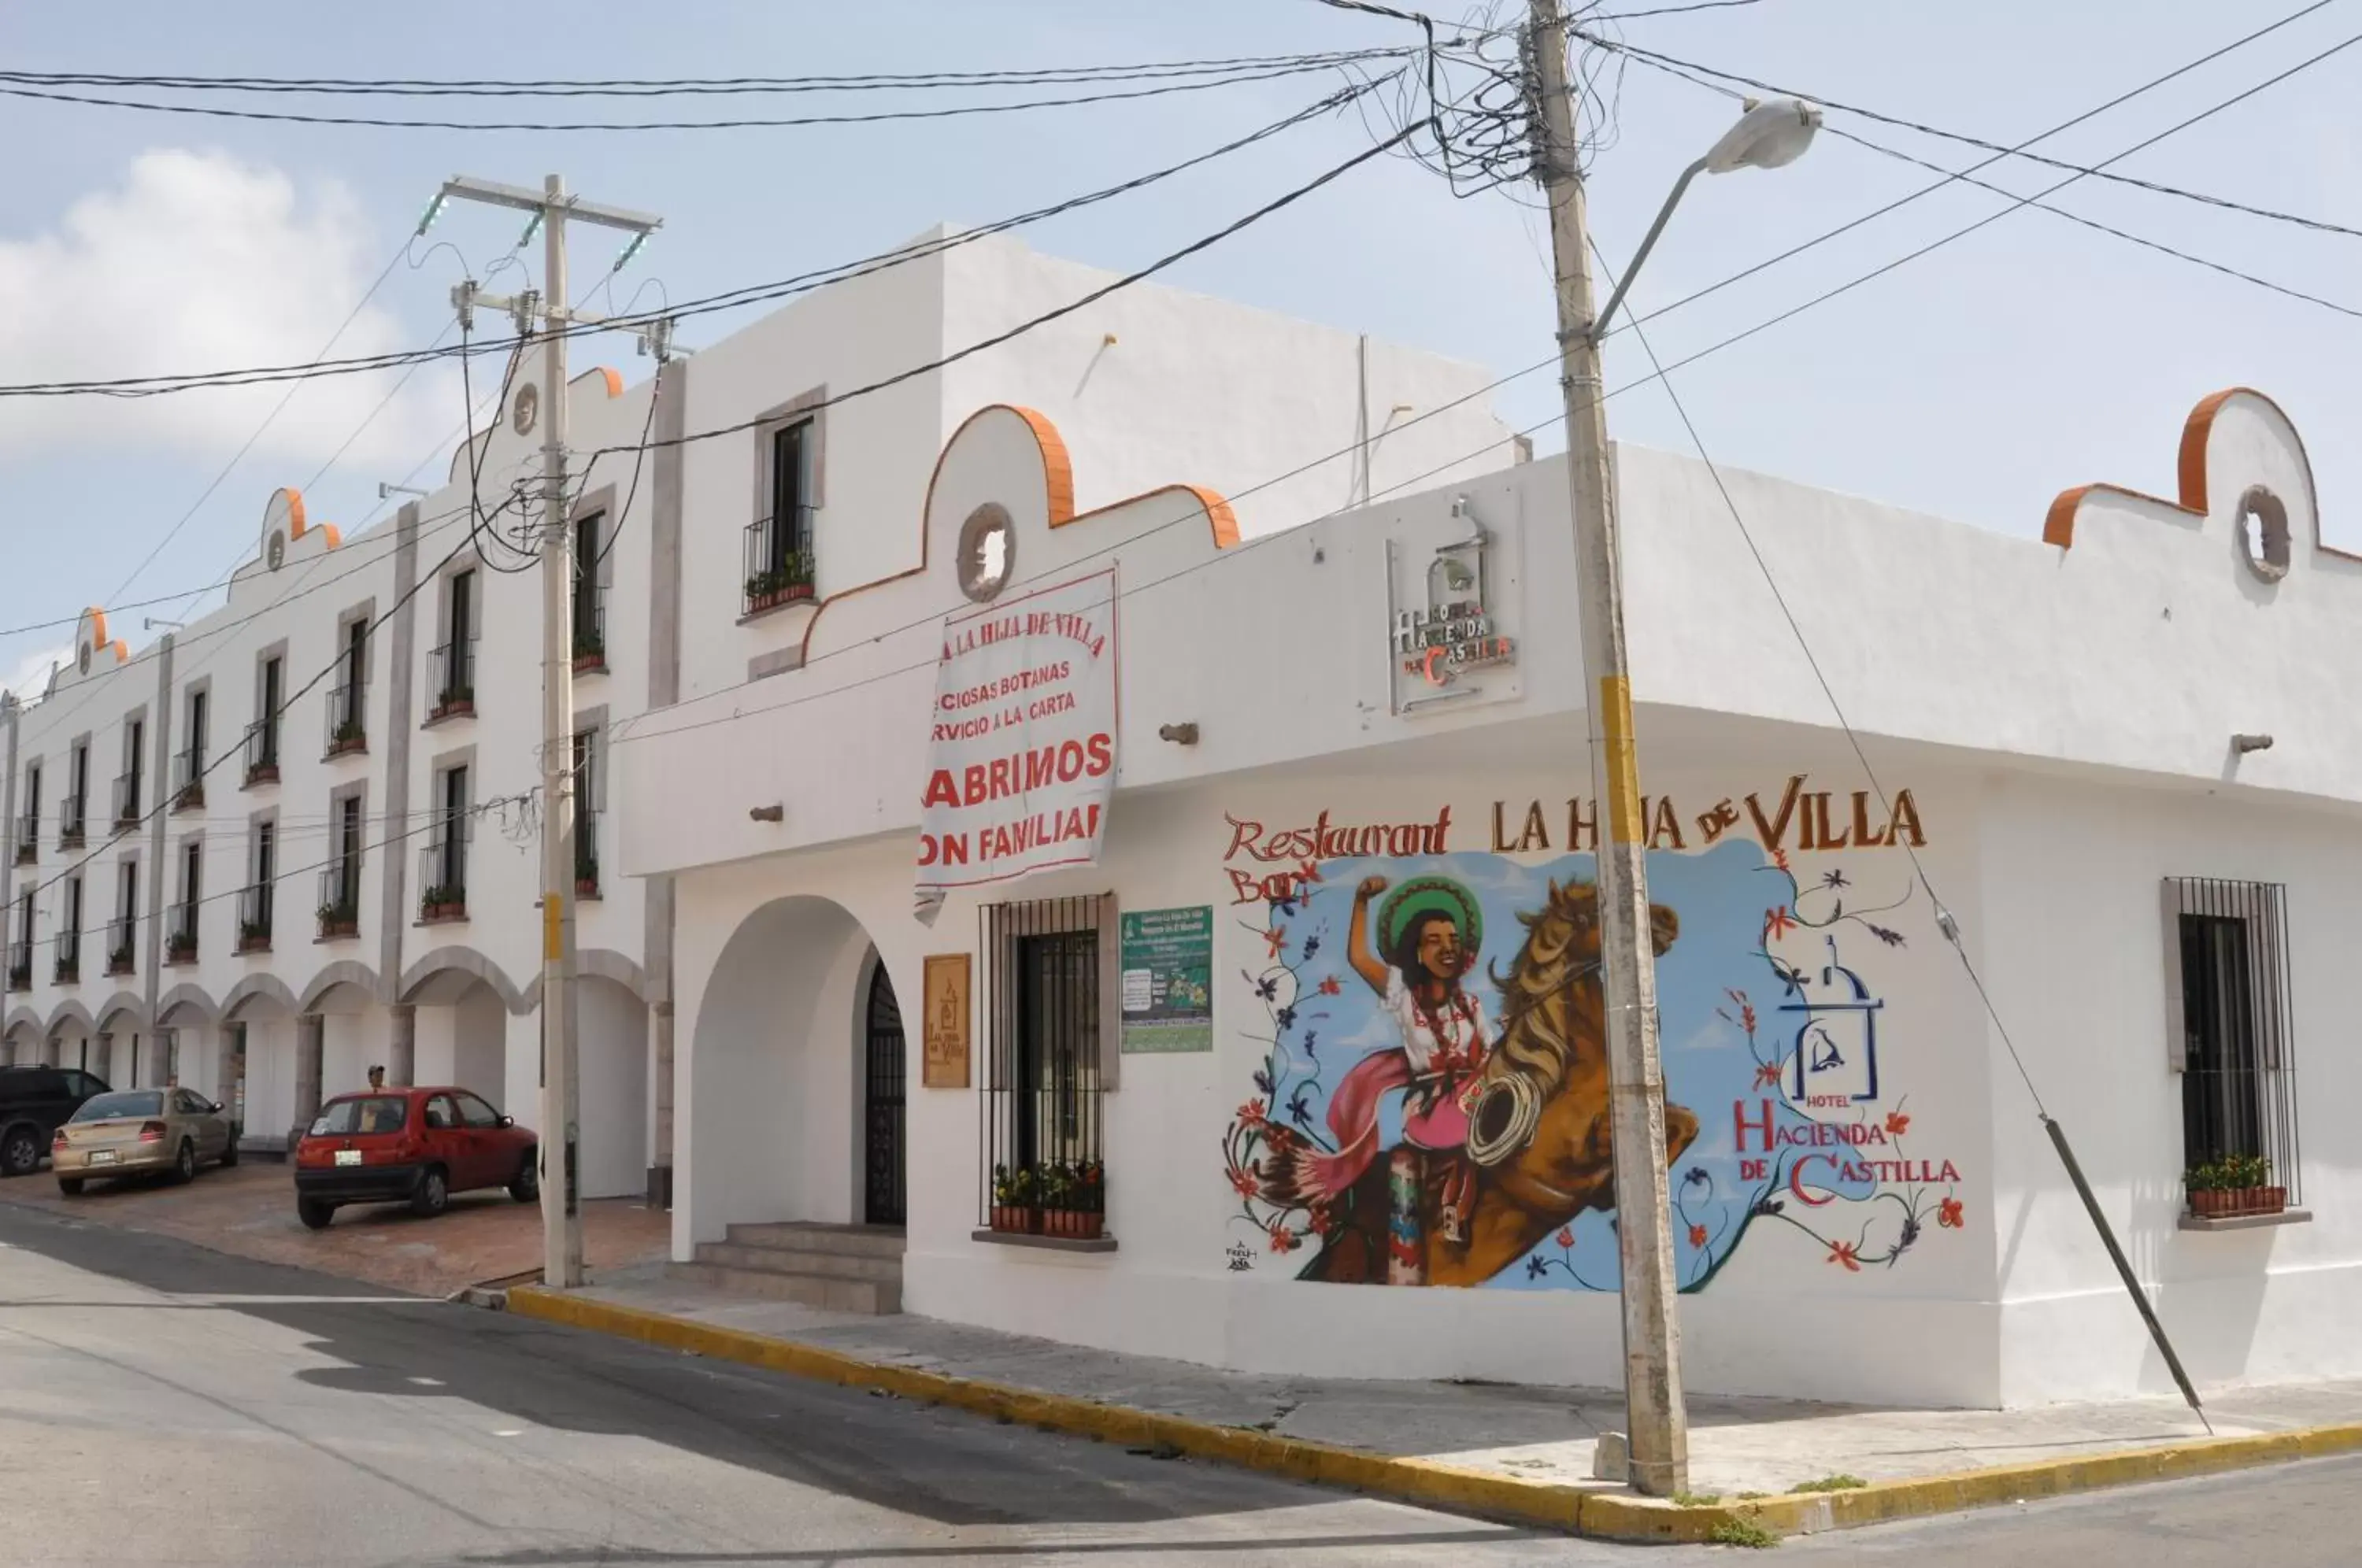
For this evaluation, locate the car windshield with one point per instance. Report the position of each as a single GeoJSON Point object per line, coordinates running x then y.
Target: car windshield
{"type": "Point", "coordinates": [371, 1114]}
{"type": "Point", "coordinates": [131, 1102]}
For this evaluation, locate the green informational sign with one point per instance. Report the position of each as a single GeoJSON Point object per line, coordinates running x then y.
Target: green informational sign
{"type": "Point", "coordinates": [1168, 979]}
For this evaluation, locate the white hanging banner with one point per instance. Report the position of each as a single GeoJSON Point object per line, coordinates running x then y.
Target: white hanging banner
{"type": "Point", "coordinates": [1022, 755]}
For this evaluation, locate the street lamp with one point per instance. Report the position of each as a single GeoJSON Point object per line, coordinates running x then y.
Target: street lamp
{"type": "Point", "coordinates": [1768, 136]}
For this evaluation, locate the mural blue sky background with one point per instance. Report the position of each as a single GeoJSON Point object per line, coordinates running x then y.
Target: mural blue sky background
{"type": "Point", "coordinates": [1975, 382]}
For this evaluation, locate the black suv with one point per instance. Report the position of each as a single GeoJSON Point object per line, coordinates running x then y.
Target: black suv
{"type": "Point", "coordinates": [34, 1103]}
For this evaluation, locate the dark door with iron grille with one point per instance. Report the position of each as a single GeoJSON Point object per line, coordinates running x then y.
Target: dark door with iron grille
{"type": "Point", "coordinates": [883, 1093]}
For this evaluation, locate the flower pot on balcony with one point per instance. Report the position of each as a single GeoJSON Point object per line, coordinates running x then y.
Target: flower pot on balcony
{"type": "Point", "coordinates": [254, 939]}
{"type": "Point", "coordinates": [181, 952]}
{"type": "Point", "coordinates": [443, 910]}
{"type": "Point", "coordinates": [262, 773]}
{"type": "Point", "coordinates": [586, 887]}
{"type": "Point", "coordinates": [1016, 1221]}
{"type": "Point", "coordinates": [1074, 1224]}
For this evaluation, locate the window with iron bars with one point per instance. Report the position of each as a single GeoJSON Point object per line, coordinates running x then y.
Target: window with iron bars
{"type": "Point", "coordinates": [1043, 999]}
{"type": "Point", "coordinates": [2227, 992]}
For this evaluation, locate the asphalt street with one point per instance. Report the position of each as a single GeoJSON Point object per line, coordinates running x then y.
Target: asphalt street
{"type": "Point", "coordinates": [163, 1404]}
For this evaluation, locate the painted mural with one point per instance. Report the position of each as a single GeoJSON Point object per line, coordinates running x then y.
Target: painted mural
{"type": "Point", "coordinates": [1428, 1099]}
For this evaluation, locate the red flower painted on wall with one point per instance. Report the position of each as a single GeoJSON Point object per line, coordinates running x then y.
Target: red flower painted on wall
{"type": "Point", "coordinates": [1307, 872]}
{"type": "Point", "coordinates": [1283, 1240]}
{"type": "Point", "coordinates": [1778, 923]}
{"type": "Point", "coordinates": [1247, 1183]}
{"type": "Point", "coordinates": [1843, 1252]}
{"type": "Point", "coordinates": [1697, 1235]}
{"type": "Point", "coordinates": [1251, 1114]}
{"type": "Point", "coordinates": [1897, 1124]}
{"type": "Point", "coordinates": [1565, 1236]}
{"type": "Point", "coordinates": [1949, 1215]}
{"type": "Point", "coordinates": [1767, 1076]}
{"type": "Point", "coordinates": [1278, 941]}
{"type": "Point", "coordinates": [1330, 985]}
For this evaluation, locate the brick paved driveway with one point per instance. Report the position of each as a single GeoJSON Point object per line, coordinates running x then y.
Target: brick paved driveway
{"type": "Point", "coordinates": [249, 1212]}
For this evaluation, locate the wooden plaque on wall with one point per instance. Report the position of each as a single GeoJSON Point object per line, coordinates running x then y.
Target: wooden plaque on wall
{"type": "Point", "coordinates": [945, 1063]}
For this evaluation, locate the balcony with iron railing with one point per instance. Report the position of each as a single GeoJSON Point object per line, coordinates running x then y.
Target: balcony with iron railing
{"type": "Point", "coordinates": [340, 899]}
{"type": "Point", "coordinates": [180, 933]}
{"type": "Point", "coordinates": [122, 950]}
{"type": "Point", "coordinates": [586, 855]}
{"type": "Point", "coordinates": [72, 813]}
{"type": "Point", "coordinates": [262, 751]}
{"type": "Point", "coordinates": [778, 564]}
{"type": "Point", "coordinates": [20, 959]}
{"type": "Point", "coordinates": [126, 800]}
{"type": "Point", "coordinates": [28, 838]}
{"type": "Point", "coordinates": [254, 918]}
{"type": "Point", "coordinates": [189, 780]}
{"type": "Point", "coordinates": [443, 878]}
{"type": "Point", "coordinates": [590, 629]}
{"type": "Point", "coordinates": [346, 734]}
{"type": "Point", "coordinates": [451, 677]}
{"type": "Point", "coordinates": [68, 969]}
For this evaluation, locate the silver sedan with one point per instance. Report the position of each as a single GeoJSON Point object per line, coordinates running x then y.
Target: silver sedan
{"type": "Point", "coordinates": [141, 1131]}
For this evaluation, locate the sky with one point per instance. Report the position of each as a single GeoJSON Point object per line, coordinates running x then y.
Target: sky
{"type": "Point", "coordinates": [1973, 382]}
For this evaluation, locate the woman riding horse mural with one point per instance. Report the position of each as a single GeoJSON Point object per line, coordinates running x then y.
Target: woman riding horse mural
{"type": "Point", "coordinates": [1428, 934]}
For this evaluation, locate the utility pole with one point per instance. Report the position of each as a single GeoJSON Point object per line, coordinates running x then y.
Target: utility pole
{"type": "Point", "coordinates": [1658, 1424]}
{"type": "Point", "coordinates": [562, 1098]}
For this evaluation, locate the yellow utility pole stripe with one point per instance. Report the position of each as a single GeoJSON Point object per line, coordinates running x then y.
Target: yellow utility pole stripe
{"type": "Point", "coordinates": [1623, 760]}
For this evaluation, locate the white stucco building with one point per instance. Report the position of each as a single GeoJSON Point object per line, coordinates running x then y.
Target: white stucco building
{"type": "Point", "coordinates": [233, 853]}
{"type": "Point", "coordinates": [1234, 1024]}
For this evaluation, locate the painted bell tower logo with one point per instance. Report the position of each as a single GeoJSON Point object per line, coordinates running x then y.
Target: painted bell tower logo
{"type": "Point", "coordinates": [1834, 1051]}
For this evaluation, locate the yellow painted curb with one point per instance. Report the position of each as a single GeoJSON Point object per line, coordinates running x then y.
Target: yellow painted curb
{"type": "Point", "coordinates": [1614, 1515]}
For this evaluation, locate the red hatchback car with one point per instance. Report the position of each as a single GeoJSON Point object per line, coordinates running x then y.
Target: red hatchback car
{"type": "Point", "coordinates": [409, 1145]}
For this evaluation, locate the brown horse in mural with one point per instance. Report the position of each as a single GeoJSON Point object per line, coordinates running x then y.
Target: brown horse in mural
{"type": "Point", "coordinates": [1538, 1126]}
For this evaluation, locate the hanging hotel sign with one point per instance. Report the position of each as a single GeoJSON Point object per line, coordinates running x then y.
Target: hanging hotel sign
{"type": "Point", "coordinates": [1446, 619]}
{"type": "Point", "coordinates": [1021, 759]}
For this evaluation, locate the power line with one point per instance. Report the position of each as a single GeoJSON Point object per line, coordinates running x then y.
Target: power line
{"type": "Point", "coordinates": [595, 87]}
{"type": "Point", "coordinates": [1671, 10]}
{"type": "Point", "coordinates": [1161, 89]}
{"type": "Point", "coordinates": [268, 420]}
{"type": "Point", "coordinates": [1676, 67]}
{"type": "Point", "coordinates": [2063, 126]}
{"type": "Point", "coordinates": [732, 299]}
{"type": "Point", "coordinates": [2160, 246]}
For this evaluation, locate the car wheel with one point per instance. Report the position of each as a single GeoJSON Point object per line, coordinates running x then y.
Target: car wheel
{"type": "Point", "coordinates": [434, 1194]}
{"type": "Point", "coordinates": [184, 1164]}
{"type": "Point", "coordinates": [230, 1153]}
{"type": "Point", "coordinates": [315, 1214]}
{"type": "Point", "coordinates": [21, 1152]}
{"type": "Point", "coordinates": [70, 1186]}
{"type": "Point", "coordinates": [526, 1188]}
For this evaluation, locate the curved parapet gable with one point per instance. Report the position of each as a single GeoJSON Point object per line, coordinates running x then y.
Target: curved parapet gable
{"type": "Point", "coordinates": [124, 1005]}
{"type": "Point", "coordinates": [1014, 457]}
{"type": "Point", "coordinates": [190, 1001]}
{"type": "Point", "coordinates": [343, 972]}
{"type": "Point", "coordinates": [2241, 466]}
{"type": "Point", "coordinates": [70, 1014]}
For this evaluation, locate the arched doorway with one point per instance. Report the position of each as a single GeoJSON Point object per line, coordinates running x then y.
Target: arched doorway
{"type": "Point", "coordinates": [883, 1202]}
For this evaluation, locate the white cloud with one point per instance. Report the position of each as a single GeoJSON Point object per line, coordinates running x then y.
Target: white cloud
{"type": "Point", "coordinates": [31, 677]}
{"type": "Point", "coordinates": [197, 261]}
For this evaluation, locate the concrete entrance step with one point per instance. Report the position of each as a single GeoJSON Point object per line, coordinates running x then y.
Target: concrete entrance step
{"type": "Point", "coordinates": [859, 1240]}
{"type": "Point", "coordinates": [874, 1297]}
{"type": "Point", "coordinates": [769, 1259]}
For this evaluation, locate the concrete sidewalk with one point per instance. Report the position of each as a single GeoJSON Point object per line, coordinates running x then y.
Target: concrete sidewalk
{"type": "Point", "coordinates": [1541, 1436]}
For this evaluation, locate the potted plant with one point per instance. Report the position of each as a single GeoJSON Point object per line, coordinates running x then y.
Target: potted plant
{"type": "Point", "coordinates": [348, 737]}
{"type": "Point", "coordinates": [589, 652]}
{"type": "Point", "coordinates": [340, 920]}
{"type": "Point", "coordinates": [586, 882]}
{"type": "Point", "coordinates": [118, 961]}
{"type": "Point", "coordinates": [181, 947]}
{"type": "Point", "coordinates": [1074, 1200]}
{"type": "Point", "coordinates": [2232, 1186]}
{"type": "Point", "coordinates": [253, 936]}
{"type": "Point", "coordinates": [1012, 1202]}
{"type": "Point", "coordinates": [443, 902]}
{"type": "Point", "coordinates": [455, 700]}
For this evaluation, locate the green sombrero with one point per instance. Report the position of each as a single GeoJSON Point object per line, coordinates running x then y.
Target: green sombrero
{"type": "Point", "coordinates": [1422, 894]}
